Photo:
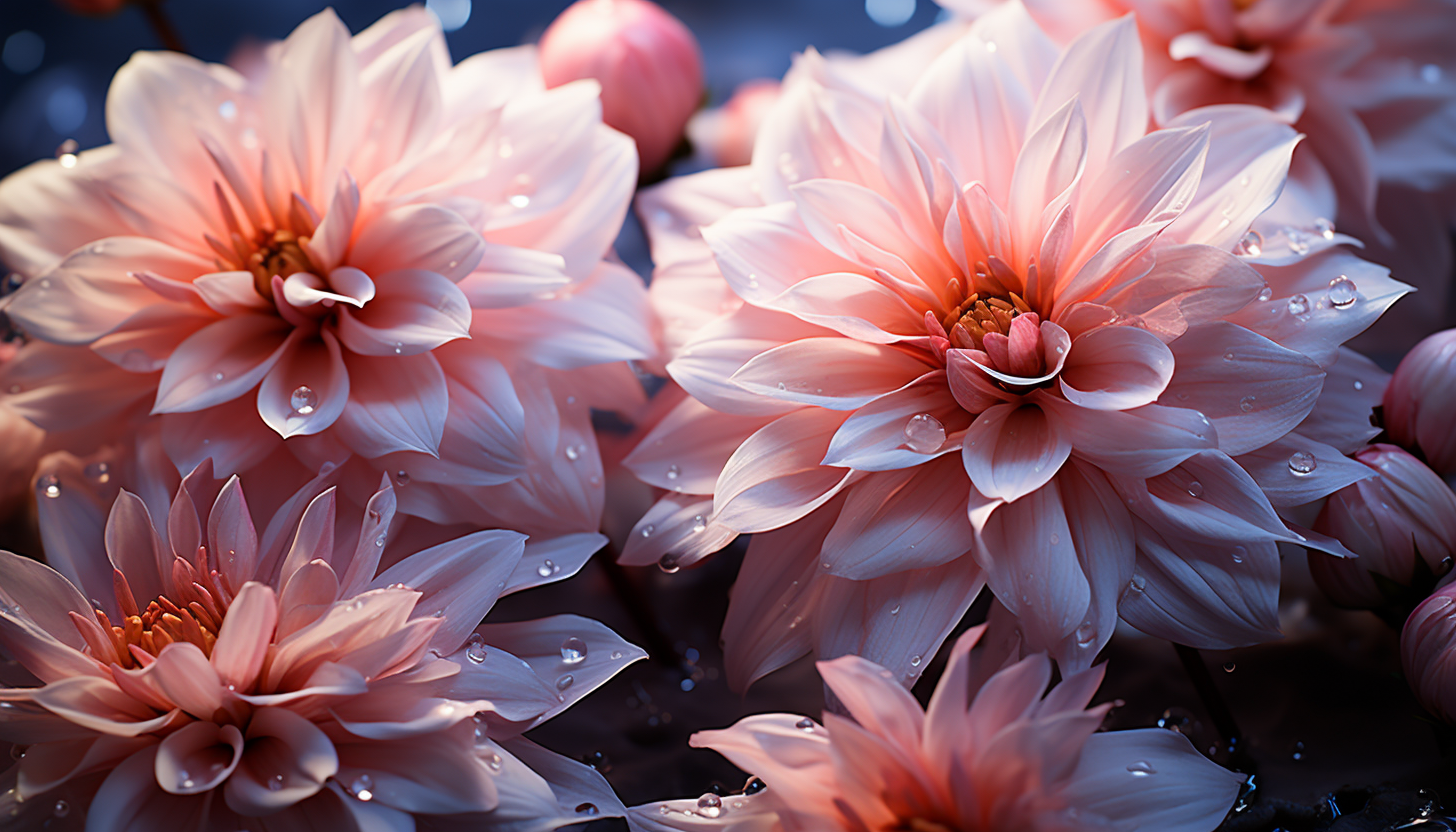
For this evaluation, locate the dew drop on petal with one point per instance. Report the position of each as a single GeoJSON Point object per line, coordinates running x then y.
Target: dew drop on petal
{"type": "Point", "coordinates": [1141, 768]}
{"type": "Point", "coordinates": [805, 724]}
{"type": "Point", "coordinates": [564, 681]}
{"type": "Point", "coordinates": [668, 563]}
{"type": "Point", "coordinates": [363, 787]}
{"type": "Point", "coordinates": [50, 486]}
{"type": "Point", "coordinates": [303, 400]}
{"type": "Point", "coordinates": [1250, 245]}
{"type": "Point", "coordinates": [1342, 292]}
{"type": "Point", "coordinates": [588, 809]}
{"type": "Point", "coordinates": [1266, 293]}
{"type": "Point", "coordinates": [1299, 305]}
{"type": "Point", "coordinates": [915, 661]}
{"type": "Point", "coordinates": [710, 805]}
{"type": "Point", "coordinates": [218, 375]}
{"type": "Point", "coordinates": [275, 783]}
{"type": "Point", "coordinates": [573, 452]}
{"type": "Point", "coordinates": [573, 651]}
{"type": "Point", "coordinates": [1195, 489]}
{"type": "Point", "coordinates": [1298, 242]}
{"type": "Point", "coordinates": [1229, 667]}
{"type": "Point", "coordinates": [401, 478]}
{"type": "Point", "coordinates": [99, 472]}
{"type": "Point", "coordinates": [546, 569]}
{"type": "Point", "coordinates": [1302, 463]}
{"type": "Point", "coordinates": [1246, 404]}
{"type": "Point", "coordinates": [895, 610]}
{"type": "Point", "coordinates": [699, 523]}
{"type": "Point", "coordinates": [1086, 633]}
{"type": "Point", "coordinates": [475, 648]}
{"type": "Point", "coordinates": [1359, 385]}
{"type": "Point", "coordinates": [61, 809]}
{"type": "Point", "coordinates": [647, 530]}
{"type": "Point", "coordinates": [924, 434]}
{"type": "Point", "coordinates": [492, 761]}
{"type": "Point", "coordinates": [1325, 228]}
{"type": "Point", "coordinates": [1239, 553]}
{"type": "Point", "coordinates": [673, 472]}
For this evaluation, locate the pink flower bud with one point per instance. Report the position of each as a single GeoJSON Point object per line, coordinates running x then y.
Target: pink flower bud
{"type": "Point", "coordinates": [726, 134]}
{"type": "Point", "coordinates": [647, 61]}
{"type": "Point", "coordinates": [1426, 649]}
{"type": "Point", "coordinates": [1421, 401]}
{"type": "Point", "coordinates": [1403, 512]}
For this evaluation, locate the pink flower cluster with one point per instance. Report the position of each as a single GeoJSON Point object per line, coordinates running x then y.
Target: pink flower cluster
{"type": "Point", "coordinates": [1047, 301]}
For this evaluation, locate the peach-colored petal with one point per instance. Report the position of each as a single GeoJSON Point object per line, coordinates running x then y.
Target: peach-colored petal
{"type": "Point", "coordinates": [287, 759]}
{"type": "Point", "coordinates": [198, 757]}
{"type": "Point", "coordinates": [1012, 450]}
{"type": "Point", "coordinates": [221, 362]}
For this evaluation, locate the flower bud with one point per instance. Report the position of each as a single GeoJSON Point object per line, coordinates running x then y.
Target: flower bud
{"type": "Point", "coordinates": [1421, 399]}
{"type": "Point", "coordinates": [646, 60]}
{"type": "Point", "coordinates": [1400, 522]}
{"type": "Point", "coordinates": [726, 134]}
{"type": "Point", "coordinates": [1427, 645]}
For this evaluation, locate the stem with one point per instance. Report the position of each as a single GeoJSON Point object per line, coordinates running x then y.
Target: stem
{"type": "Point", "coordinates": [162, 25]}
{"type": "Point", "coordinates": [634, 602]}
{"type": "Point", "coordinates": [1213, 702]}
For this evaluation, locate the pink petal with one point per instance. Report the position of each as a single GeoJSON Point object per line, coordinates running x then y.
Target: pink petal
{"type": "Point", "coordinates": [539, 644]}
{"type": "Point", "coordinates": [572, 783]}
{"type": "Point", "coordinates": [135, 549]}
{"type": "Point", "coordinates": [243, 640]}
{"type": "Point", "coordinates": [418, 238]}
{"type": "Point", "coordinates": [763, 251]}
{"type": "Point", "coordinates": [231, 293]}
{"type": "Point", "coordinates": [1269, 466]}
{"type": "Point", "coordinates": [428, 774]}
{"type": "Point", "coordinates": [98, 704]}
{"type": "Point", "coordinates": [460, 579]}
{"type": "Point", "coordinates": [837, 373]}
{"type": "Point", "coordinates": [1049, 165]}
{"type": "Point", "coordinates": [773, 746]}
{"type": "Point", "coordinates": [1252, 389]}
{"type": "Point", "coordinates": [879, 705]}
{"type": "Point", "coordinates": [483, 442]}
{"type": "Point", "coordinates": [1103, 68]}
{"type": "Point", "coordinates": [517, 694]}
{"type": "Point", "coordinates": [42, 655]}
{"type": "Point", "coordinates": [143, 342]}
{"type": "Point", "coordinates": [678, 527]}
{"type": "Point", "coordinates": [687, 449]}
{"type": "Point", "coordinates": [892, 432]}
{"type": "Point", "coordinates": [230, 436]}
{"type": "Point", "coordinates": [775, 476]}
{"type": "Point", "coordinates": [231, 535]}
{"type": "Point", "coordinates": [130, 798]}
{"type": "Point", "coordinates": [287, 760]}
{"type": "Point", "coordinates": [972, 386]}
{"type": "Point", "coordinates": [330, 241]}
{"type": "Point", "coordinates": [45, 597]}
{"type": "Point", "coordinates": [185, 677]}
{"type": "Point", "coordinates": [314, 535]}
{"type": "Point", "coordinates": [1103, 535]}
{"type": "Point", "coordinates": [854, 306]}
{"type": "Point", "coordinates": [395, 404]}
{"type": "Point", "coordinates": [706, 363]}
{"type": "Point", "coordinates": [198, 757]}
{"type": "Point", "coordinates": [1188, 792]}
{"type": "Point", "coordinates": [1228, 61]}
{"type": "Point", "coordinates": [306, 390]}
{"type": "Point", "coordinates": [380, 718]}
{"type": "Point", "coordinates": [60, 388]}
{"type": "Point", "coordinates": [837, 213]}
{"type": "Point", "coordinates": [898, 520]}
{"type": "Point", "coordinates": [508, 276]}
{"type": "Point", "coordinates": [1012, 450]}
{"type": "Point", "coordinates": [1141, 442]}
{"type": "Point", "coordinates": [1116, 368]}
{"type": "Point", "coordinates": [412, 312]}
{"type": "Point", "coordinates": [221, 362]}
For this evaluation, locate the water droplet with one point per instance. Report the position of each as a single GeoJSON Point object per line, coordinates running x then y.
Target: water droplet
{"type": "Point", "coordinates": [475, 648]}
{"type": "Point", "coordinates": [228, 110]}
{"type": "Point", "coordinates": [50, 486]}
{"type": "Point", "coordinates": [519, 200]}
{"type": "Point", "coordinates": [1342, 292]}
{"type": "Point", "coordinates": [673, 472]}
{"type": "Point", "coordinates": [1229, 667]}
{"type": "Point", "coordinates": [1298, 241]}
{"type": "Point", "coordinates": [1055, 539]}
{"type": "Point", "coordinates": [61, 809]}
{"type": "Point", "coordinates": [379, 540]}
{"type": "Point", "coordinates": [398, 347]}
{"type": "Point", "coordinates": [363, 787]}
{"type": "Point", "coordinates": [1141, 768]}
{"type": "Point", "coordinates": [1250, 245]}
{"type": "Point", "coordinates": [574, 452]}
{"type": "Point", "coordinates": [303, 400]}
{"type": "Point", "coordinates": [1431, 74]}
{"type": "Point", "coordinates": [699, 524]}
{"type": "Point", "coordinates": [1228, 356]}
{"type": "Point", "coordinates": [1086, 633]}
{"type": "Point", "coordinates": [1138, 583]}
{"type": "Point", "coordinates": [1359, 385]}
{"type": "Point", "coordinates": [1299, 305]}
{"type": "Point", "coordinates": [184, 779]}
{"type": "Point", "coordinates": [788, 167]}
{"type": "Point", "coordinates": [710, 805]}
{"type": "Point", "coordinates": [1302, 463]}
{"type": "Point", "coordinates": [805, 724]}
{"type": "Point", "coordinates": [914, 661]}
{"type": "Point", "coordinates": [573, 651]}
{"type": "Point", "coordinates": [1325, 228]}
{"type": "Point", "coordinates": [275, 783]}
{"type": "Point", "coordinates": [924, 434]}
{"type": "Point", "coordinates": [66, 153]}
{"type": "Point", "coordinates": [668, 563]}
{"type": "Point", "coordinates": [564, 681]}
{"type": "Point", "coordinates": [493, 761]}
{"type": "Point", "coordinates": [218, 375]}
{"type": "Point", "coordinates": [586, 809]}
{"type": "Point", "coordinates": [401, 477]}
{"type": "Point", "coordinates": [1246, 404]}
{"type": "Point", "coordinates": [99, 472]}
{"type": "Point", "coordinates": [895, 610]}
{"type": "Point", "coordinates": [1239, 553]}
{"type": "Point", "coordinates": [1266, 293]}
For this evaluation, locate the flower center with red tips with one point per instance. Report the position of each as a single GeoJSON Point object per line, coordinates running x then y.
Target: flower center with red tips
{"type": "Point", "coordinates": [976, 317]}
{"type": "Point", "coordinates": [277, 253]}
{"type": "Point", "coordinates": [160, 624]}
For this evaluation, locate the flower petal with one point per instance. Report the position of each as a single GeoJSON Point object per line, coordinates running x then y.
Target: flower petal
{"type": "Point", "coordinates": [837, 373]}
{"type": "Point", "coordinates": [245, 635]}
{"type": "Point", "coordinates": [461, 579]}
{"type": "Point", "coordinates": [413, 311]}
{"type": "Point", "coordinates": [1012, 450]}
{"type": "Point", "coordinates": [898, 520]}
{"type": "Point", "coordinates": [418, 238]}
{"type": "Point", "coordinates": [1188, 793]}
{"type": "Point", "coordinates": [1116, 368]}
{"type": "Point", "coordinates": [306, 390]}
{"type": "Point", "coordinates": [542, 644]}
{"type": "Point", "coordinates": [892, 432]}
{"type": "Point", "coordinates": [395, 404]}
{"type": "Point", "coordinates": [198, 757]}
{"type": "Point", "coordinates": [222, 361]}
{"type": "Point", "coordinates": [775, 477]}
{"type": "Point", "coordinates": [287, 759]}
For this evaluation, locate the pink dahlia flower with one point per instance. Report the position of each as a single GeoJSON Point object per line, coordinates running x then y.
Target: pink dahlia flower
{"type": "Point", "coordinates": [1427, 645]}
{"type": "Point", "coordinates": [1371, 84]}
{"type": "Point", "coordinates": [996, 332]}
{"type": "Point", "coordinates": [995, 750]}
{"type": "Point", "coordinates": [358, 250]}
{"type": "Point", "coordinates": [230, 678]}
{"type": "Point", "coordinates": [1401, 523]}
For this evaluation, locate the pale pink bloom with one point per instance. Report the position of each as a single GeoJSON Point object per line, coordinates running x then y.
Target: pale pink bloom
{"type": "Point", "coordinates": [1371, 84]}
{"type": "Point", "coordinates": [358, 249]}
{"type": "Point", "coordinates": [996, 332]}
{"type": "Point", "coordinates": [993, 751]}
{"type": "Point", "coordinates": [1427, 648]}
{"type": "Point", "coordinates": [648, 63]}
{"type": "Point", "coordinates": [1393, 521]}
{"type": "Point", "coordinates": [240, 669]}
{"type": "Point", "coordinates": [725, 134]}
{"type": "Point", "coordinates": [1421, 398]}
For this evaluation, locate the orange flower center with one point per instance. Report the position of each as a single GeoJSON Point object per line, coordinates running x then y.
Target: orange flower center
{"type": "Point", "coordinates": [976, 317]}
{"type": "Point", "coordinates": [277, 253]}
{"type": "Point", "coordinates": [922, 825]}
{"type": "Point", "coordinates": [160, 624]}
